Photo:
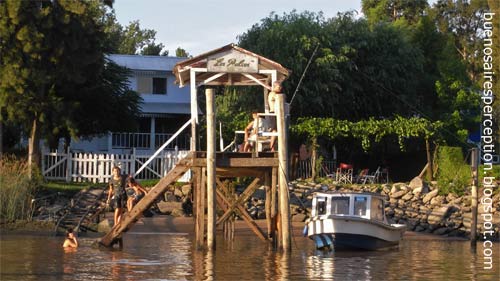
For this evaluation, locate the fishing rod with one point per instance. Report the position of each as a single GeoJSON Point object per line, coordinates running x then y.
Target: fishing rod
{"type": "Point", "coordinates": [304, 73]}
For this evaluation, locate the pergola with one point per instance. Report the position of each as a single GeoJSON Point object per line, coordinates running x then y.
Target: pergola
{"type": "Point", "coordinates": [229, 65]}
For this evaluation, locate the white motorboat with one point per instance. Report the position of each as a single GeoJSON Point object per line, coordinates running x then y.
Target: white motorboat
{"type": "Point", "coordinates": [351, 221]}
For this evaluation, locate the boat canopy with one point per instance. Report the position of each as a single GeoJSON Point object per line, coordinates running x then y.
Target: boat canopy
{"type": "Point", "coordinates": [362, 205]}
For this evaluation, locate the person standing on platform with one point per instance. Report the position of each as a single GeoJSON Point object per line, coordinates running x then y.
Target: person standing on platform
{"type": "Point", "coordinates": [117, 194]}
{"type": "Point", "coordinates": [251, 132]}
{"type": "Point", "coordinates": [271, 101]}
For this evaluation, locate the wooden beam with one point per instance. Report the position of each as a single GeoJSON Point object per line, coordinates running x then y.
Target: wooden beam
{"type": "Point", "coordinates": [241, 199]}
{"type": "Point", "coordinates": [240, 172]}
{"type": "Point", "coordinates": [239, 162]}
{"type": "Point", "coordinates": [245, 216]}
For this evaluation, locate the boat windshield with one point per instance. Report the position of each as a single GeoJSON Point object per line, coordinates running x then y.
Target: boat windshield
{"type": "Point", "coordinates": [360, 205]}
{"type": "Point", "coordinates": [321, 206]}
{"type": "Point", "coordinates": [340, 205]}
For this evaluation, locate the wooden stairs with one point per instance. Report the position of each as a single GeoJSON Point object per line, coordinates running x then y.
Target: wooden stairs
{"type": "Point", "coordinates": [129, 218]}
{"type": "Point", "coordinates": [83, 210]}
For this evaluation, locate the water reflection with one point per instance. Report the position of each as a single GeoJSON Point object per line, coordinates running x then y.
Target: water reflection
{"type": "Point", "coordinates": [170, 257]}
{"type": "Point", "coordinates": [209, 265]}
{"type": "Point", "coordinates": [319, 266]}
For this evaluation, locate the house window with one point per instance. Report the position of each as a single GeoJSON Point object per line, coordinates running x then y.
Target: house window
{"type": "Point", "coordinates": [159, 86]}
{"type": "Point", "coordinates": [144, 85]}
{"type": "Point", "coordinates": [152, 85]}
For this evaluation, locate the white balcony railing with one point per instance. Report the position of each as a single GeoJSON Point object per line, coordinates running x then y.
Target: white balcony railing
{"type": "Point", "coordinates": [143, 141]}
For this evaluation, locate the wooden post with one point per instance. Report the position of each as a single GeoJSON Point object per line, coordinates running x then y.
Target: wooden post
{"type": "Point", "coordinates": [429, 160]}
{"type": "Point", "coordinates": [267, 183]}
{"type": "Point", "coordinates": [209, 93]}
{"type": "Point", "coordinates": [283, 174]}
{"type": "Point", "coordinates": [274, 205]}
{"type": "Point", "coordinates": [194, 109]}
{"type": "Point", "coordinates": [200, 207]}
{"type": "Point", "coordinates": [474, 164]}
{"type": "Point", "coordinates": [69, 167]}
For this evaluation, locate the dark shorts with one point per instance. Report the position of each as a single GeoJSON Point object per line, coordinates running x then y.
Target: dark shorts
{"type": "Point", "coordinates": [119, 201]}
{"type": "Point", "coordinates": [136, 197]}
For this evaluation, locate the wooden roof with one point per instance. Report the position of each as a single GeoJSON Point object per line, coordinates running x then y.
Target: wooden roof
{"type": "Point", "coordinates": [258, 73]}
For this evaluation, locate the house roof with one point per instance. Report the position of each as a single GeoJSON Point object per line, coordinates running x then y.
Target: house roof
{"type": "Point", "coordinates": [259, 72]}
{"type": "Point", "coordinates": [138, 62]}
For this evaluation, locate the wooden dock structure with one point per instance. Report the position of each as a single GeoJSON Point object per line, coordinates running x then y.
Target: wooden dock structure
{"type": "Point", "coordinates": [263, 171]}
{"type": "Point", "coordinates": [228, 65]}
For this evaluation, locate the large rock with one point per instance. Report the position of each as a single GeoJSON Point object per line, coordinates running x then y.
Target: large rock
{"type": "Point", "coordinates": [397, 187]}
{"type": "Point", "coordinates": [418, 185]}
{"type": "Point", "coordinates": [429, 196]}
{"type": "Point", "coordinates": [408, 196]}
{"type": "Point", "coordinates": [439, 215]}
{"type": "Point", "coordinates": [438, 200]}
{"type": "Point", "coordinates": [398, 194]}
{"type": "Point", "coordinates": [169, 207]}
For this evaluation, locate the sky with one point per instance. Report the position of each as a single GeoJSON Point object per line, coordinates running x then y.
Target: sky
{"type": "Point", "coordinates": [199, 26]}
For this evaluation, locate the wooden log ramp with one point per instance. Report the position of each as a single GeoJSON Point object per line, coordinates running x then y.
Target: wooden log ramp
{"type": "Point", "coordinates": [128, 219]}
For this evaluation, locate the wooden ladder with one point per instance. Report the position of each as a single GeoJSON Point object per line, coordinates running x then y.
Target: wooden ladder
{"type": "Point", "coordinates": [129, 218]}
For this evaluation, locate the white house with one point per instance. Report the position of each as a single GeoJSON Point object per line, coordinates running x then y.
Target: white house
{"type": "Point", "coordinates": [165, 109]}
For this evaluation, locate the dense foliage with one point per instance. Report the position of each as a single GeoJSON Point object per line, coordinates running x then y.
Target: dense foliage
{"type": "Point", "coordinates": [367, 130]}
{"type": "Point", "coordinates": [454, 173]}
{"type": "Point", "coordinates": [54, 78]}
{"type": "Point", "coordinates": [16, 189]}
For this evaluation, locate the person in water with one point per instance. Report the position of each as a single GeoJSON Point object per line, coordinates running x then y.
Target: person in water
{"type": "Point", "coordinates": [138, 194]}
{"type": "Point", "coordinates": [70, 241]}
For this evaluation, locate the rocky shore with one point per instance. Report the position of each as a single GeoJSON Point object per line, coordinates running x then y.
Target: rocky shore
{"type": "Point", "coordinates": [416, 204]}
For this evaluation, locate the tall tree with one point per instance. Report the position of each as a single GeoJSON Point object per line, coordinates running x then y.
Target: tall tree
{"type": "Point", "coordinates": [180, 52]}
{"type": "Point", "coordinates": [462, 19]}
{"type": "Point", "coordinates": [392, 10]}
{"type": "Point", "coordinates": [358, 72]}
{"type": "Point", "coordinates": [131, 39]}
{"type": "Point", "coordinates": [495, 8]}
{"type": "Point", "coordinates": [52, 58]}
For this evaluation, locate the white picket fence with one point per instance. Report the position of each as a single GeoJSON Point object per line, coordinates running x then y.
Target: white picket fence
{"type": "Point", "coordinates": [96, 168]}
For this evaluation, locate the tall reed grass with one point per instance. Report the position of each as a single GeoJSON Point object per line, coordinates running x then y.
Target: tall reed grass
{"type": "Point", "coordinates": [16, 189]}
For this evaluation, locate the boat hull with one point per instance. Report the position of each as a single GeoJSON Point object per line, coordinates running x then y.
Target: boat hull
{"type": "Point", "coordinates": [352, 233]}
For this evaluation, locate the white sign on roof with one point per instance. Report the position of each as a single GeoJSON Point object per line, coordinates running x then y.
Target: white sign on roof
{"type": "Point", "coordinates": [233, 61]}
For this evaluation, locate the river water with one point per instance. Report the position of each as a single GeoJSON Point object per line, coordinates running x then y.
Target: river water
{"type": "Point", "coordinates": [171, 256]}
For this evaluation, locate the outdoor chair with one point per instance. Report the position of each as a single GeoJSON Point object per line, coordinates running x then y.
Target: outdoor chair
{"type": "Point", "coordinates": [373, 178]}
{"type": "Point", "coordinates": [344, 173]}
